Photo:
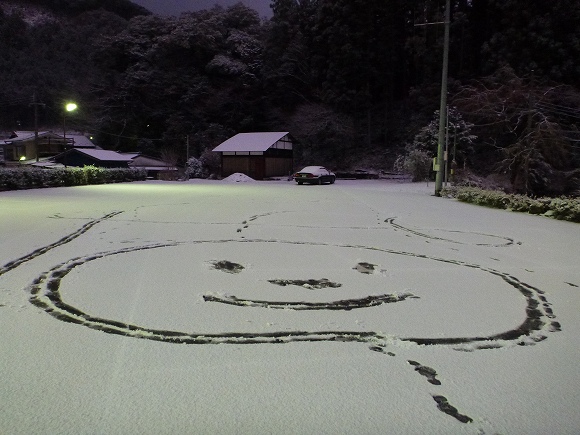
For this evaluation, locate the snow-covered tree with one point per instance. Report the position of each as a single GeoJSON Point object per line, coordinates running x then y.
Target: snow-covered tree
{"type": "Point", "coordinates": [193, 168]}
{"type": "Point", "coordinates": [459, 135]}
{"type": "Point", "coordinates": [418, 155]}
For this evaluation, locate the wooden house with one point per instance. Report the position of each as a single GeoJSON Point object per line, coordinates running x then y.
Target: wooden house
{"type": "Point", "coordinates": [25, 146]}
{"type": "Point", "coordinates": [257, 155]}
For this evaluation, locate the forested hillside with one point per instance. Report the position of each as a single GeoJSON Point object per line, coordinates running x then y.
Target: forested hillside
{"type": "Point", "coordinates": [357, 82]}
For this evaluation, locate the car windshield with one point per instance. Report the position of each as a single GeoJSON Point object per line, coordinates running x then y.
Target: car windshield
{"type": "Point", "coordinates": [313, 169]}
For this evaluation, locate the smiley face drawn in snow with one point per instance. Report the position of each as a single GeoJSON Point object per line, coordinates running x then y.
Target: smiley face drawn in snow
{"type": "Point", "coordinates": [360, 306]}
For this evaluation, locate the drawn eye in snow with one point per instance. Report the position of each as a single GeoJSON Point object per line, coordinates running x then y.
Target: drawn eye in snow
{"type": "Point", "coordinates": [227, 266]}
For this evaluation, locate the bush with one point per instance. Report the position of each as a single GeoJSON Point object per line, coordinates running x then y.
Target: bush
{"type": "Point", "coordinates": [96, 175]}
{"type": "Point", "coordinates": [74, 177]}
{"type": "Point", "coordinates": [11, 179]}
{"type": "Point", "coordinates": [30, 177]}
{"type": "Point", "coordinates": [567, 209]}
{"type": "Point", "coordinates": [193, 168]}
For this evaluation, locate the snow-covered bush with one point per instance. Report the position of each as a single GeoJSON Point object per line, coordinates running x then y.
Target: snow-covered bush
{"type": "Point", "coordinates": [74, 177]}
{"type": "Point", "coordinates": [95, 175]}
{"type": "Point", "coordinates": [193, 168]}
{"type": "Point", "coordinates": [52, 178]}
{"type": "Point", "coordinates": [558, 208]}
{"type": "Point", "coordinates": [11, 179]}
{"type": "Point", "coordinates": [30, 177]}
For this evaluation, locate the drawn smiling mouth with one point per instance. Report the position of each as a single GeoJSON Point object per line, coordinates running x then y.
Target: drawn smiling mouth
{"type": "Point", "coordinates": [345, 304]}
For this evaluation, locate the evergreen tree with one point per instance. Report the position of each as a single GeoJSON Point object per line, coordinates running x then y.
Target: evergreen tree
{"type": "Point", "coordinates": [535, 37]}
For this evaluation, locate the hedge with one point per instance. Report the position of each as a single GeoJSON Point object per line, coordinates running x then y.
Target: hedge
{"type": "Point", "coordinates": [32, 178]}
{"type": "Point", "coordinates": [562, 208]}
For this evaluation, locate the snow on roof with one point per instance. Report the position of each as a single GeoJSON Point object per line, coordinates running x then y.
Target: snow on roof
{"type": "Point", "coordinates": [131, 155]}
{"type": "Point", "coordinates": [25, 135]}
{"type": "Point", "coordinates": [80, 140]}
{"type": "Point", "coordinates": [104, 155]}
{"type": "Point", "coordinates": [251, 141]}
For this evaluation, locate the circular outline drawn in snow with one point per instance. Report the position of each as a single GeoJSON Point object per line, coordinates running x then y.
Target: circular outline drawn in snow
{"type": "Point", "coordinates": [539, 318]}
{"type": "Point", "coordinates": [505, 241]}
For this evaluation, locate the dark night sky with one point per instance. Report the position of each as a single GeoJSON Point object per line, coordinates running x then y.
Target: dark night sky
{"type": "Point", "coordinates": [175, 7]}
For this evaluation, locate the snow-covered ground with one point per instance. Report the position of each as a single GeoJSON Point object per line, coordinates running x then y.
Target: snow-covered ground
{"type": "Point", "coordinates": [363, 307]}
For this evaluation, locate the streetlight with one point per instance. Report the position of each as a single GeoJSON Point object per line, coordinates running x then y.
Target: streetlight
{"type": "Point", "coordinates": [69, 107]}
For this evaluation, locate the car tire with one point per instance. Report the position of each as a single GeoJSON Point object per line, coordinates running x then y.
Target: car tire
{"type": "Point", "coordinates": [299, 183]}
{"type": "Point", "coordinates": [320, 180]}
{"type": "Point", "coordinates": [332, 180]}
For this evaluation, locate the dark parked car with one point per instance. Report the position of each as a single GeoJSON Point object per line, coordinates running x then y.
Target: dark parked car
{"type": "Point", "coordinates": [314, 175]}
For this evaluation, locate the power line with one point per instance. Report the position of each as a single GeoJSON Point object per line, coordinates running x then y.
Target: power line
{"type": "Point", "coordinates": [560, 110]}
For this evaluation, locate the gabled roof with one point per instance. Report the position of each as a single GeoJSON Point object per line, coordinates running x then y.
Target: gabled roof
{"type": "Point", "coordinates": [103, 155]}
{"type": "Point", "coordinates": [23, 136]}
{"type": "Point", "coordinates": [150, 163]}
{"type": "Point", "coordinates": [251, 141]}
{"type": "Point", "coordinates": [27, 135]}
{"type": "Point", "coordinates": [80, 141]}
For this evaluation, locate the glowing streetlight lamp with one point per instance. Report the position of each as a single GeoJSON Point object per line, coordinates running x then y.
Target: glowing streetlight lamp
{"type": "Point", "coordinates": [69, 107]}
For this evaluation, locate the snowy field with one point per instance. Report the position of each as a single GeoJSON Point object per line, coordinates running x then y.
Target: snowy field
{"type": "Point", "coordinates": [220, 307]}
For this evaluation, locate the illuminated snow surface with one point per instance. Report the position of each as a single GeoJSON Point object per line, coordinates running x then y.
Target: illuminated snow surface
{"type": "Point", "coordinates": [363, 307]}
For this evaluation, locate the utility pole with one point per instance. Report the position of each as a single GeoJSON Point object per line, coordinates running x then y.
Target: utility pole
{"type": "Point", "coordinates": [439, 164]}
{"type": "Point", "coordinates": [35, 104]}
{"type": "Point", "coordinates": [446, 152]}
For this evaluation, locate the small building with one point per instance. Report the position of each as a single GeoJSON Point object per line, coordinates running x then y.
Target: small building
{"type": "Point", "coordinates": [87, 157]}
{"type": "Point", "coordinates": [157, 169]}
{"type": "Point", "coordinates": [258, 155]}
{"type": "Point", "coordinates": [22, 145]}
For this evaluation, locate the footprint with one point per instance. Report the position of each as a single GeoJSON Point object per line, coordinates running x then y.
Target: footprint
{"type": "Point", "coordinates": [366, 268]}
{"type": "Point", "coordinates": [444, 406]}
{"type": "Point", "coordinates": [228, 266]}
{"type": "Point", "coordinates": [428, 372]}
